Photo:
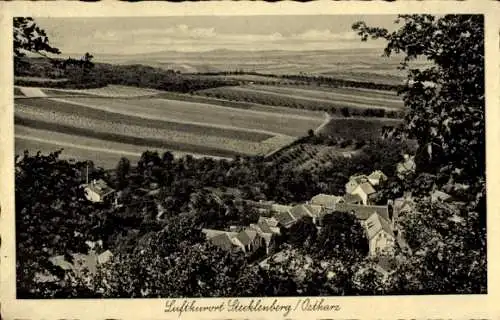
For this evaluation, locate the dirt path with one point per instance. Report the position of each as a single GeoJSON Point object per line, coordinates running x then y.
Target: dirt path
{"type": "Point", "coordinates": [328, 117]}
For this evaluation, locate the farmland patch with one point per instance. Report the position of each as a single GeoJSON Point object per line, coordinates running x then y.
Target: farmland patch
{"type": "Point", "coordinates": [207, 114]}
{"type": "Point", "coordinates": [357, 128]}
{"type": "Point", "coordinates": [152, 122]}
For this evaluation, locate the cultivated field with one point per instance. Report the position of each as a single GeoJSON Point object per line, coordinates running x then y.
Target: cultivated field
{"type": "Point", "coordinates": [308, 156]}
{"type": "Point", "coordinates": [110, 91]}
{"type": "Point", "coordinates": [357, 128]}
{"type": "Point", "coordinates": [103, 153]}
{"type": "Point", "coordinates": [119, 127]}
{"type": "Point", "coordinates": [312, 98]}
{"type": "Point", "coordinates": [209, 115]}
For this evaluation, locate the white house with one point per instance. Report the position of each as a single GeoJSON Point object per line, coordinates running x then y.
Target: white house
{"type": "Point", "coordinates": [98, 191]}
{"type": "Point", "coordinates": [354, 182]}
{"type": "Point", "coordinates": [365, 191]}
{"type": "Point", "coordinates": [376, 177]}
{"type": "Point", "coordinates": [381, 238]}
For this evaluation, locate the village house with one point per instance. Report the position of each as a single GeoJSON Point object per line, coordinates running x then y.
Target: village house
{"type": "Point", "coordinates": [406, 166]}
{"type": "Point", "coordinates": [362, 212]}
{"type": "Point", "coordinates": [362, 186]}
{"type": "Point", "coordinates": [399, 206]}
{"type": "Point", "coordinates": [377, 177]}
{"type": "Point", "coordinates": [353, 199]}
{"type": "Point", "coordinates": [354, 182]}
{"type": "Point", "coordinates": [365, 191]}
{"type": "Point", "coordinates": [326, 200]}
{"type": "Point", "coordinates": [247, 240]}
{"type": "Point", "coordinates": [380, 234]}
{"type": "Point", "coordinates": [98, 191]}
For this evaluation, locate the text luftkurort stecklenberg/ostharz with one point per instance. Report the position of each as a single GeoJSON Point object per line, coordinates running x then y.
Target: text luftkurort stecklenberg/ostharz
{"type": "Point", "coordinates": [252, 305]}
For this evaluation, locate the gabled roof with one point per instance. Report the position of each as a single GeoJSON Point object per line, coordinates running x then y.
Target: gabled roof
{"type": "Point", "coordinates": [284, 218]}
{"type": "Point", "coordinates": [210, 233]}
{"type": "Point", "coordinates": [326, 200]}
{"type": "Point", "coordinates": [222, 241]}
{"type": "Point", "coordinates": [315, 210]}
{"type": "Point", "coordinates": [300, 211]}
{"type": "Point", "coordinates": [376, 223]}
{"type": "Point", "coordinates": [264, 227]}
{"type": "Point", "coordinates": [377, 175]}
{"type": "Point", "coordinates": [352, 198]}
{"type": "Point", "coordinates": [246, 236]}
{"type": "Point", "coordinates": [367, 188]}
{"type": "Point", "coordinates": [363, 212]}
{"type": "Point", "coordinates": [401, 204]}
{"type": "Point", "coordinates": [271, 222]}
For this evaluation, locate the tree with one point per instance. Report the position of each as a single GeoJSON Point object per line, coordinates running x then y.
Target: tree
{"type": "Point", "coordinates": [29, 37]}
{"type": "Point", "coordinates": [341, 237]}
{"type": "Point", "coordinates": [445, 114]}
{"type": "Point", "coordinates": [449, 251]}
{"type": "Point", "coordinates": [303, 233]}
{"type": "Point", "coordinates": [51, 205]}
{"type": "Point", "coordinates": [122, 172]}
{"type": "Point", "coordinates": [445, 101]}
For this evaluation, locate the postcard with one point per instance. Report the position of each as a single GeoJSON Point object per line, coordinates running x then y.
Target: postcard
{"type": "Point", "coordinates": [249, 160]}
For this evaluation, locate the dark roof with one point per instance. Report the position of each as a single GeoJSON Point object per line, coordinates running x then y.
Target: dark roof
{"type": "Point", "coordinates": [222, 241]}
{"type": "Point", "coordinates": [367, 188]}
{"type": "Point", "coordinates": [299, 211]}
{"type": "Point", "coordinates": [264, 227]}
{"type": "Point", "coordinates": [271, 222]}
{"type": "Point", "coordinates": [363, 212]}
{"type": "Point", "coordinates": [352, 198]}
{"type": "Point", "coordinates": [246, 236]}
{"type": "Point", "coordinates": [326, 200]}
{"type": "Point", "coordinates": [284, 218]}
{"type": "Point", "coordinates": [375, 223]}
{"type": "Point", "coordinates": [315, 210]}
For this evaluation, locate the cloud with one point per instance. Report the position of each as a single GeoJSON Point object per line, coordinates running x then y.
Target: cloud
{"type": "Point", "coordinates": [325, 35]}
{"type": "Point", "coordinates": [185, 38]}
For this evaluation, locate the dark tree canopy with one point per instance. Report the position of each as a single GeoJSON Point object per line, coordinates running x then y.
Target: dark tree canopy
{"type": "Point", "coordinates": [445, 102]}
{"type": "Point", "coordinates": [341, 237]}
{"type": "Point", "coordinates": [29, 37]}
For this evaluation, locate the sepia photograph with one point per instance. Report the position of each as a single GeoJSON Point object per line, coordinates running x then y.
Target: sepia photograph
{"type": "Point", "coordinates": [250, 162]}
{"type": "Point", "coordinates": [248, 156]}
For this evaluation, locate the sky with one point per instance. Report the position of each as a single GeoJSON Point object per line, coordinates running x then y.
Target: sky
{"type": "Point", "coordinates": [136, 35]}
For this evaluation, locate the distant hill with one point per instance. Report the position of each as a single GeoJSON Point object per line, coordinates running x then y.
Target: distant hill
{"type": "Point", "coordinates": [356, 64]}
